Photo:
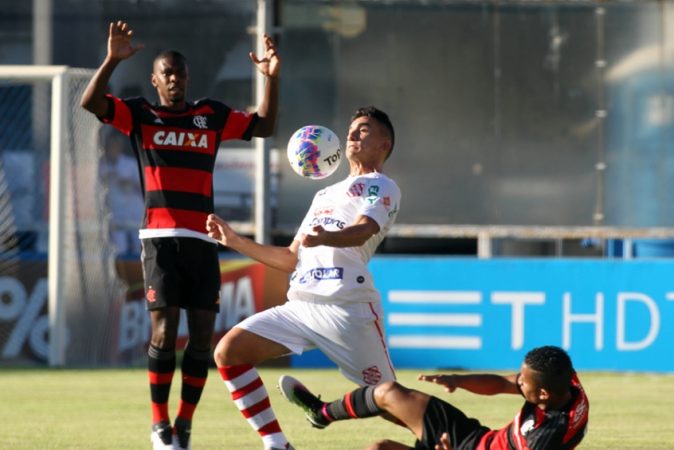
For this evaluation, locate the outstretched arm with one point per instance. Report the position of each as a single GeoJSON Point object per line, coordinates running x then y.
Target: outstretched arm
{"type": "Point", "coordinates": [352, 236]}
{"type": "Point", "coordinates": [483, 384]}
{"type": "Point", "coordinates": [281, 258]}
{"type": "Point", "coordinates": [119, 49]}
{"type": "Point", "coordinates": [269, 66]}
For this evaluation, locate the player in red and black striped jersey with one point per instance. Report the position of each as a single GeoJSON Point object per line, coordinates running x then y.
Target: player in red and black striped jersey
{"type": "Point", "coordinates": [554, 415]}
{"type": "Point", "coordinates": [176, 142]}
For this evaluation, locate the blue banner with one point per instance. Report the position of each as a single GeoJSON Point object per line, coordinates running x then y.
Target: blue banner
{"type": "Point", "coordinates": [486, 314]}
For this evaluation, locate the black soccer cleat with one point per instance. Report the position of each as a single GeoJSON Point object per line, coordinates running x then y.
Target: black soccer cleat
{"type": "Point", "coordinates": [296, 393]}
{"type": "Point", "coordinates": [181, 434]}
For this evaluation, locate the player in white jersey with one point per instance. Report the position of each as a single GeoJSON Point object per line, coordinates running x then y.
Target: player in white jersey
{"type": "Point", "coordinates": [333, 304]}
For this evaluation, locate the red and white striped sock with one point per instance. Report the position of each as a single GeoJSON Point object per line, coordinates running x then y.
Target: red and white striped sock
{"type": "Point", "coordinates": [250, 396]}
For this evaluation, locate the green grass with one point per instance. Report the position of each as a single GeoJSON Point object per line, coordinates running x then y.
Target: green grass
{"type": "Point", "coordinates": [108, 409]}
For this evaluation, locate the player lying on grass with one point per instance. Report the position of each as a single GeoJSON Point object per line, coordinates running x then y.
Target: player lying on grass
{"type": "Point", "coordinates": [554, 414]}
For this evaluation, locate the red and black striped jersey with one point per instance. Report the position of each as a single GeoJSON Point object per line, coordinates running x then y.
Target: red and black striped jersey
{"type": "Point", "coordinates": [537, 429]}
{"type": "Point", "coordinates": [176, 153]}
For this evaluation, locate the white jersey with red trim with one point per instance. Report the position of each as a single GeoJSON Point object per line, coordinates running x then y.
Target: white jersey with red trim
{"type": "Point", "coordinates": [338, 275]}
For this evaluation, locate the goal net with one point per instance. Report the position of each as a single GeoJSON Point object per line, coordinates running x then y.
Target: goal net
{"type": "Point", "coordinates": [59, 286]}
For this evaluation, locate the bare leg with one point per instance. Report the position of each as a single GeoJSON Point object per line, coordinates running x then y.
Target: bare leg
{"type": "Point", "coordinates": [405, 404]}
{"type": "Point", "coordinates": [240, 346]}
{"type": "Point", "coordinates": [200, 324]}
{"type": "Point", "coordinates": [236, 355]}
{"type": "Point", "coordinates": [165, 327]}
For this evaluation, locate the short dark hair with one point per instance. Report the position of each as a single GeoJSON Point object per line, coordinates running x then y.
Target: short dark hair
{"type": "Point", "coordinates": [174, 54]}
{"type": "Point", "coordinates": [552, 366]}
{"type": "Point", "coordinates": [381, 117]}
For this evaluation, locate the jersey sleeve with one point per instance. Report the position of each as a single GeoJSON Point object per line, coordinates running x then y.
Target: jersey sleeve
{"type": "Point", "coordinates": [119, 115]}
{"type": "Point", "coordinates": [381, 201]}
{"type": "Point", "coordinates": [239, 125]}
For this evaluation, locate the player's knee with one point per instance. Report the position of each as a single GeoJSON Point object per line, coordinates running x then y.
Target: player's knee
{"type": "Point", "coordinates": [385, 391]}
{"type": "Point", "coordinates": [220, 354]}
{"type": "Point", "coordinates": [162, 337]}
{"type": "Point", "coordinates": [227, 352]}
{"type": "Point", "coordinates": [201, 339]}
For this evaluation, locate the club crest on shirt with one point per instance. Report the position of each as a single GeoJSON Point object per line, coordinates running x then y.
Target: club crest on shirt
{"type": "Point", "coordinates": [356, 190]}
{"type": "Point", "coordinates": [200, 122]}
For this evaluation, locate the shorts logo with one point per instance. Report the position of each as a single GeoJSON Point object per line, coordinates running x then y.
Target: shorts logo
{"type": "Point", "coordinates": [372, 375]}
{"type": "Point", "coordinates": [151, 295]}
{"type": "Point", "coordinates": [322, 273]}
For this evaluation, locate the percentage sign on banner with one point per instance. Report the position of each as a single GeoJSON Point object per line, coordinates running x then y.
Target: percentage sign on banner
{"type": "Point", "coordinates": [25, 310]}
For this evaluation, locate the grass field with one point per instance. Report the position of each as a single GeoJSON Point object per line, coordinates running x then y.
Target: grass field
{"type": "Point", "coordinates": [108, 409]}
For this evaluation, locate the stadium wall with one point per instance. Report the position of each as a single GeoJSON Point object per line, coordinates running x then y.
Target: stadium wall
{"type": "Point", "coordinates": [440, 312]}
{"type": "Point", "coordinates": [486, 314]}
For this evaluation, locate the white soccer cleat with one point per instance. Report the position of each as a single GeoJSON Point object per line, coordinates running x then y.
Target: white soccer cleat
{"type": "Point", "coordinates": [162, 436]}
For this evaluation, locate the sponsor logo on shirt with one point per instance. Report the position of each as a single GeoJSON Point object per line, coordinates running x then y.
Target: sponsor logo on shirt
{"type": "Point", "coordinates": [180, 139]}
{"type": "Point", "coordinates": [163, 138]}
{"type": "Point", "coordinates": [322, 273]}
{"type": "Point", "coordinates": [323, 211]}
{"type": "Point", "coordinates": [327, 221]}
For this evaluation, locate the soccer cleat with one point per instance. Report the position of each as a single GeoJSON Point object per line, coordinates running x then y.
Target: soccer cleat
{"type": "Point", "coordinates": [162, 436]}
{"type": "Point", "coordinates": [295, 392]}
{"type": "Point", "coordinates": [181, 434]}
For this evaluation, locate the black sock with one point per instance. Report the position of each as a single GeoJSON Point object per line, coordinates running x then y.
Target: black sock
{"type": "Point", "coordinates": [356, 404]}
{"type": "Point", "coordinates": [161, 365]}
{"type": "Point", "coordinates": [194, 370]}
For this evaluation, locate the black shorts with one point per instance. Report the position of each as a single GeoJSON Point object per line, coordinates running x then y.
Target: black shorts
{"type": "Point", "coordinates": [181, 271]}
{"type": "Point", "coordinates": [440, 417]}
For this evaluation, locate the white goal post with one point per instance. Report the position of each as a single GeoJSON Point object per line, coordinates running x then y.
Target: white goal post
{"type": "Point", "coordinates": [64, 101]}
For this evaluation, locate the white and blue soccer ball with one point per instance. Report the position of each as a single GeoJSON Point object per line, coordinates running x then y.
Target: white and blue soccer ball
{"type": "Point", "coordinates": [314, 151]}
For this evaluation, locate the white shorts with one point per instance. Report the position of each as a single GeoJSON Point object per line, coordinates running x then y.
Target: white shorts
{"type": "Point", "coordinates": [351, 335]}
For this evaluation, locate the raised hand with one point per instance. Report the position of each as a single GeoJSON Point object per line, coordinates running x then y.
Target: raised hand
{"type": "Point", "coordinates": [448, 381]}
{"type": "Point", "coordinates": [119, 41]}
{"type": "Point", "coordinates": [270, 64]}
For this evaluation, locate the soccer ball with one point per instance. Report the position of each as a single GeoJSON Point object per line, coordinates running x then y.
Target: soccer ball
{"type": "Point", "coordinates": [314, 152]}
